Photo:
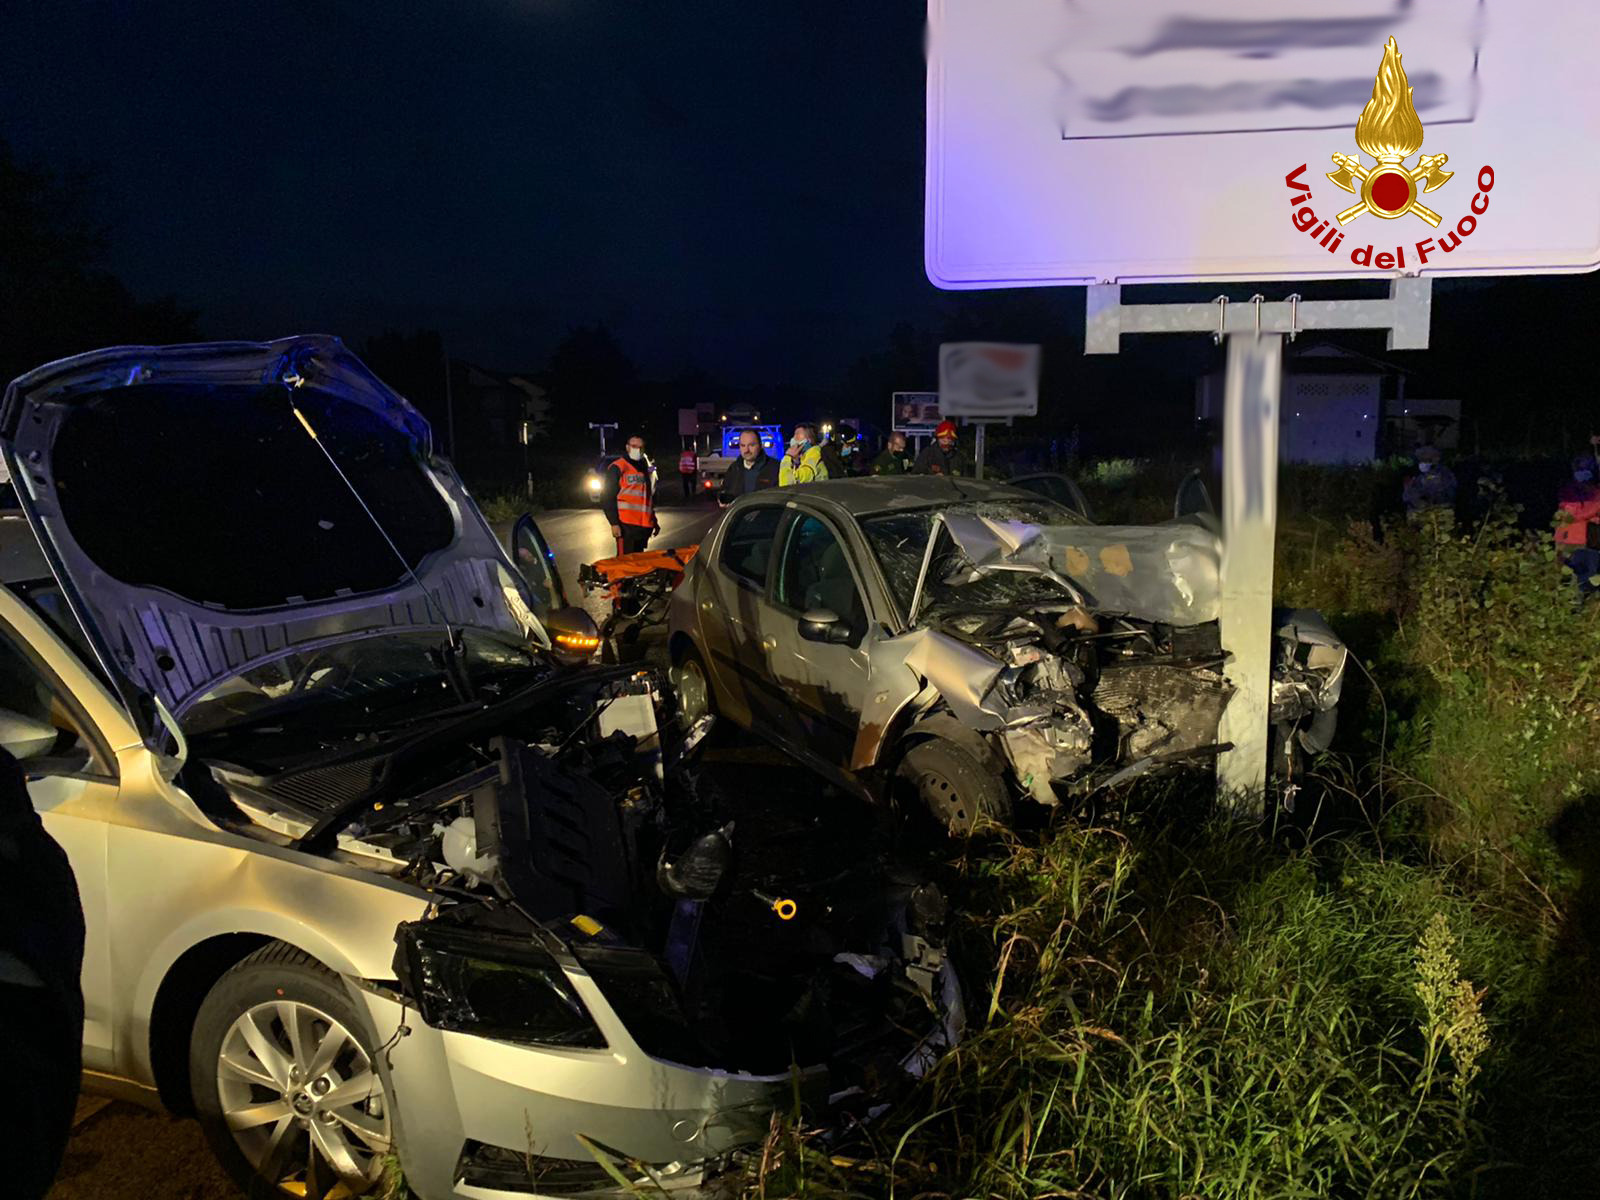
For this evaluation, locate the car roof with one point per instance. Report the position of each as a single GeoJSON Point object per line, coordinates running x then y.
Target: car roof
{"type": "Point", "coordinates": [870, 495]}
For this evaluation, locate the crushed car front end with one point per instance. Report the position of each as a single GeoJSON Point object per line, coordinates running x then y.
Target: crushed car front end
{"type": "Point", "coordinates": [1087, 656]}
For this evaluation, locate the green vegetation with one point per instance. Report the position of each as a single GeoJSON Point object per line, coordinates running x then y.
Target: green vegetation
{"type": "Point", "coordinates": [1390, 995]}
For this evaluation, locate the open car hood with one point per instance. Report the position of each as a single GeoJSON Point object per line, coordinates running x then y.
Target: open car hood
{"type": "Point", "coordinates": [185, 499]}
{"type": "Point", "coordinates": [1169, 573]}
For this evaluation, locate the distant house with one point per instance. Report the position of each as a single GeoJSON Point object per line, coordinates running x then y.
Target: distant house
{"type": "Point", "coordinates": [1340, 406]}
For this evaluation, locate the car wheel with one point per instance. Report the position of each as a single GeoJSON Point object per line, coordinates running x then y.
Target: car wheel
{"type": "Point", "coordinates": [285, 1086]}
{"type": "Point", "coordinates": [693, 688]}
{"type": "Point", "coordinates": [954, 786]}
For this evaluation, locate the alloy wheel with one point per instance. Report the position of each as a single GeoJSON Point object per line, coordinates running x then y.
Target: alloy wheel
{"type": "Point", "coordinates": [694, 693]}
{"type": "Point", "coordinates": [303, 1101]}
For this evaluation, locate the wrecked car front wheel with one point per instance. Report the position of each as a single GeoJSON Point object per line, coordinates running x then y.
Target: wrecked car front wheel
{"type": "Point", "coordinates": [957, 790]}
{"type": "Point", "coordinates": [692, 688]}
{"type": "Point", "coordinates": [284, 1080]}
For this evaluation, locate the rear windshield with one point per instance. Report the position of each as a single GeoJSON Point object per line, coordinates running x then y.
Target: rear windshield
{"type": "Point", "coordinates": [217, 493]}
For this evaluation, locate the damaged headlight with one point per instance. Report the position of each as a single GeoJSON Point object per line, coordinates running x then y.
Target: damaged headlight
{"type": "Point", "coordinates": [492, 985]}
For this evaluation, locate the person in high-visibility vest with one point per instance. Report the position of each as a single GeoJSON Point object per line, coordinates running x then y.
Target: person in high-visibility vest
{"type": "Point", "coordinates": [803, 463]}
{"type": "Point", "coordinates": [628, 498]}
{"type": "Point", "coordinates": [688, 468]}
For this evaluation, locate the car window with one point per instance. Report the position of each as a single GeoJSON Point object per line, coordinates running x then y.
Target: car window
{"type": "Point", "coordinates": [38, 721]}
{"type": "Point", "coordinates": [747, 546]}
{"type": "Point", "coordinates": [816, 573]}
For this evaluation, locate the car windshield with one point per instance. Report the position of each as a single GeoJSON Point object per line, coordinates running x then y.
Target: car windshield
{"type": "Point", "coordinates": [900, 539]}
{"type": "Point", "coordinates": [374, 681]}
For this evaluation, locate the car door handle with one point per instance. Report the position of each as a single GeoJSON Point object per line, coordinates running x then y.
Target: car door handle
{"type": "Point", "coordinates": [769, 643]}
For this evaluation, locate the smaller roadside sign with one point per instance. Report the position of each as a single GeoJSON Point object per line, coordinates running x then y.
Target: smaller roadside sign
{"type": "Point", "coordinates": [988, 379]}
{"type": "Point", "coordinates": [915, 413]}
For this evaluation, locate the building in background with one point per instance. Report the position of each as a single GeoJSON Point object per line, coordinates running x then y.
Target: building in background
{"type": "Point", "coordinates": [1340, 406]}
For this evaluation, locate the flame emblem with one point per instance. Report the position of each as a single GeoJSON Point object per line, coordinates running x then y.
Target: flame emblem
{"type": "Point", "coordinates": [1390, 131]}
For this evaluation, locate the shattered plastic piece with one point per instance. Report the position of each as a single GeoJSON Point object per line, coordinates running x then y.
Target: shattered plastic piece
{"type": "Point", "coordinates": [868, 965]}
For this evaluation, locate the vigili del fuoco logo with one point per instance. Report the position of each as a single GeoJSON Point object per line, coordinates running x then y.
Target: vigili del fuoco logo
{"type": "Point", "coordinates": [1390, 131]}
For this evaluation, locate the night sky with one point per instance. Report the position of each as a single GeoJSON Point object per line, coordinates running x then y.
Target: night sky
{"type": "Point", "coordinates": [732, 185]}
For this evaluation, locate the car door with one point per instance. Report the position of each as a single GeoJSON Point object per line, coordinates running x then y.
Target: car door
{"type": "Point", "coordinates": [730, 598]}
{"type": "Point", "coordinates": [71, 780]}
{"type": "Point", "coordinates": [822, 684]}
{"type": "Point", "coordinates": [536, 562]}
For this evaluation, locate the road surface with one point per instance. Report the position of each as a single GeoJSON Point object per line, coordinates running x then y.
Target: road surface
{"type": "Point", "coordinates": [581, 535]}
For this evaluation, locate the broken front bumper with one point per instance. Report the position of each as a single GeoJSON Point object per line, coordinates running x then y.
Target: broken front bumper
{"type": "Point", "coordinates": [467, 1109]}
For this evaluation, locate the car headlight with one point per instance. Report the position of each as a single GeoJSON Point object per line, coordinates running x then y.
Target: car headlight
{"type": "Point", "coordinates": [494, 985]}
{"type": "Point", "coordinates": [593, 484]}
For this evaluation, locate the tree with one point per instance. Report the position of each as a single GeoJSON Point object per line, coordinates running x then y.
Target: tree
{"type": "Point", "coordinates": [59, 299]}
{"type": "Point", "coordinates": [591, 378]}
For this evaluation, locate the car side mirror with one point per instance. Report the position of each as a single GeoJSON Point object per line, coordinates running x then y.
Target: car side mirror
{"type": "Point", "coordinates": [25, 737]}
{"type": "Point", "coordinates": [574, 637]}
{"type": "Point", "coordinates": [824, 625]}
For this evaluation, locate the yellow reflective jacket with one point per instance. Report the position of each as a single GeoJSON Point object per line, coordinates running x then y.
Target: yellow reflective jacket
{"type": "Point", "coordinates": [810, 468]}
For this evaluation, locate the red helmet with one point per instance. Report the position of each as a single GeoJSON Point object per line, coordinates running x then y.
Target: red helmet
{"type": "Point", "coordinates": [945, 429]}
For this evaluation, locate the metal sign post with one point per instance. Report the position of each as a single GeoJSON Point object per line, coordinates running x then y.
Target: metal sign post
{"type": "Point", "coordinates": [602, 427]}
{"type": "Point", "coordinates": [981, 425]}
{"type": "Point", "coordinates": [1254, 333]}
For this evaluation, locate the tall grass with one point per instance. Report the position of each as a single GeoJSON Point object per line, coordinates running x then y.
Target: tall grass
{"type": "Point", "coordinates": [1176, 1012]}
{"type": "Point", "coordinates": [1179, 1007]}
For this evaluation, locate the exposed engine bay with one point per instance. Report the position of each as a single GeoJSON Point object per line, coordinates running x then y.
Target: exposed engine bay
{"type": "Point", "coordinates": [727, 926]}
{"type": "Point", "coordinates": [1079, 701]}
{"type": "Point", "coordinates": [1087, 656]}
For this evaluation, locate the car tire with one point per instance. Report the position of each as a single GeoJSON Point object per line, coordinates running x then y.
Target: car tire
{"type": "Point", "coordinates": [691, 685]}
{"type": "Point", "coordinates": [285, 1081]}
{"type": "Point", "coordinates": [956, 789]}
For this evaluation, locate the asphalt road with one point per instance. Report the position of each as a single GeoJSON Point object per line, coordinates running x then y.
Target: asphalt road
{"type": "Point", "coordinates": [581, 535]}
{"type": "Point", "coordinates": [121, 1152]}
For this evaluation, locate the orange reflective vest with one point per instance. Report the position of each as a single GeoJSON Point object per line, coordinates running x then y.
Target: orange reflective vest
{"type": "Point", "coordinates": [687, 464]}
{"type": "Point", "coordinates": [633, 493]}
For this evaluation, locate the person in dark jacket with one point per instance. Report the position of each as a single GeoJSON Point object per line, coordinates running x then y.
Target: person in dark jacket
{"type": "Point", "coordinates": [1433, 486]}
{"type": "Point", "coordinates": [753, 470]}
{"type": "Point", "coordinates": [41, 996]}
{"type": "Point", "coordinates": [939, 457]}
{"type": "Point", "coordinates": [842, 453]}
{"type": "Point", "coordinates": [628, 498]}
{"type": "Point", "coordinates": [894, 460]}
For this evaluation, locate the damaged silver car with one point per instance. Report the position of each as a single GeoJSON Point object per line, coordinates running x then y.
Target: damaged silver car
{"type": "Point", "coordinates": [370, 874]}
{"type": "Point", "coordinates": [981, 643]}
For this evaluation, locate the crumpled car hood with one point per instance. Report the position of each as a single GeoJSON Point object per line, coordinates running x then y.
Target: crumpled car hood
{"type": "Point", "coordinates": [1169, 573]}
{"type": "Point", "coordinates": [176, 599]}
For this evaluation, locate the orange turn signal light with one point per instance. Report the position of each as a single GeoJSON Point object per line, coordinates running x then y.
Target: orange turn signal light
{"type": "Point", "coordinates": [577, 641]}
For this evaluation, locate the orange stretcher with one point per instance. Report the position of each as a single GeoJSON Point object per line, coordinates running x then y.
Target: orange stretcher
{"type": "Point", "coordinates": [611, 573]}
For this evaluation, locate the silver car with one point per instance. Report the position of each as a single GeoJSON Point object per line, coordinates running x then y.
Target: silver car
{"type": "Point", "coordinates": [373, 876]}
{"type": "Point", "coordinates": [979, 642]}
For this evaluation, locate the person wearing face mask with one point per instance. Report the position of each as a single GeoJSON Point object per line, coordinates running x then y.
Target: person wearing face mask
{"type": "Point", "coordinates": [1433, 486]}
{"type": "Point", "coordinates": [894, 460]}
{"type": "Point", "coordinates": [1578, 523]}
{"type": "Point", "coordinates": [939, 457]}
{"type": "Point", "coordinates": [753, 470]}
{"type": "Point", "coordinates": [803, 463]}
{"type": "Point", "coordinates": [628, 498]}
{"type": "Point", "coordinates": [839, 453]}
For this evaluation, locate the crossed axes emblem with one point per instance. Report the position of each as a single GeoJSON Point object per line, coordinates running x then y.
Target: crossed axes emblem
{"type": "Point", "coordinates": [1429, 173]}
